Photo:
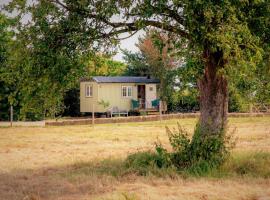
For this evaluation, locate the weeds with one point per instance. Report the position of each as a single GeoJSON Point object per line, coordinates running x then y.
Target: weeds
{"type": "Point", "coordinates": [197, 156]}
{"type": "Point", "coordinates": [148, 163]}
{"type": "Point", "coordinates": [253, 164]}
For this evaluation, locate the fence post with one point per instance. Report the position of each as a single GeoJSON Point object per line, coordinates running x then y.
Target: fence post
{"type": "Point", "coordinates": [93, 114]}
{"type": "Point", "coordinates": [11, 115]}
{"type": "Point", "coordinates": [160, 111]}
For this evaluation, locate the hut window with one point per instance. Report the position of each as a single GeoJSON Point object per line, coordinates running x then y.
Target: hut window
{"type": "Point", "coordinates": [150, 88]}
{"type": "Point", "coordinates": [126, 91]}
{"type": "Point", "coordinates": [88, 90]}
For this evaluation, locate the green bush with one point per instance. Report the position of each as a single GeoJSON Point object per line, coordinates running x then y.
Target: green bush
{"type": "Point", "coordinates": [207, 151]}
{"type": "Point", "coordinates": [238, 102]}
{"type": "Point", "coordinates": [149, 163]}
{"type": "Point", "coordinates": [198, 155]}
{"type": "Point", "coordinates": [143, 163]}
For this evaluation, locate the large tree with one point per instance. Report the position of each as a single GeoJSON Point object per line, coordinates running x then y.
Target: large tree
{"type": "Point", "coordinates": [221, 33]}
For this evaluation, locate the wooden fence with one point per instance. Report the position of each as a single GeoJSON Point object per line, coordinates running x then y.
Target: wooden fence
{"type": "Point", "coordinates": [88, 121]}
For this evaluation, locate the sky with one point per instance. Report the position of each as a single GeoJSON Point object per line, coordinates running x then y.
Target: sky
{"type": "Point", "coordinates": [129, 43]}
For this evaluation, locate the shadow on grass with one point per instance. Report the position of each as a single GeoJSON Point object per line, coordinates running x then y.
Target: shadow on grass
{"type": "Point", "coordinates": [92, 178]}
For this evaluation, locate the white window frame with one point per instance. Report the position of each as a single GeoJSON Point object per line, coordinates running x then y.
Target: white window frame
{"type": "Point", "coordinates": [88, 90]}
{"type": "Point", "coordinates": [128, 91]}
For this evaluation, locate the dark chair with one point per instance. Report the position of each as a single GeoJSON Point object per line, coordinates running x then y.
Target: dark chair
{"type": "Point", "coordinates": [155, 103]}
{"type": "Point", "coordinates": [135, 104]}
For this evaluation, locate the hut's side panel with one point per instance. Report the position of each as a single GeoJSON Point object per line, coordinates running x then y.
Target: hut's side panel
{"type": "Point", "coordinates": [112, 93]}
{"type": "Point", "coordinates": [87, 102]}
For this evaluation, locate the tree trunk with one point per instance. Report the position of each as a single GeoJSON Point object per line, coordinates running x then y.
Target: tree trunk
{"type": "Point", "coordinates": [213, 95]}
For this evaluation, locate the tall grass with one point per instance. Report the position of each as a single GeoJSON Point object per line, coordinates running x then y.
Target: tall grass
{"type": "Point", "coordinates": [255, 164]}
{"type": "Point", "coordinates": [252, 164]}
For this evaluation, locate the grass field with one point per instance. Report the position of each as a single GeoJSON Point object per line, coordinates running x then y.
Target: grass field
{"type": "Point", "coordinates": [84, 162]}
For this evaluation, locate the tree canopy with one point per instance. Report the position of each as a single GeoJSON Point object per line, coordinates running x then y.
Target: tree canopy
{"type": "Point", "coordinates": [48, 59]}
{"type": "Point", "coordinates": [5, 45]}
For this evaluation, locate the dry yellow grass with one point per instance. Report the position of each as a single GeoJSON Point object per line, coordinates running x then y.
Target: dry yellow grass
{"type": "Point", "coordinates": [38, 163]}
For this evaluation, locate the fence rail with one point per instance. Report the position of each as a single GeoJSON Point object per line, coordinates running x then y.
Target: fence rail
{"type": "Point", "coordinates": [88, 121]}
{"type": "Point", "coordinates": [260, 108]}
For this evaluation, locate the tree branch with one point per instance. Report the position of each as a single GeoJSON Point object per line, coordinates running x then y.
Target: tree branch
{"type": "Point", "coordinates": [130, 26]}
{"type": "Point", "coordinates": [171, 13]}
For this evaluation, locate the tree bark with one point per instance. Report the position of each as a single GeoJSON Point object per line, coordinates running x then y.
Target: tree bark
{"type": "Point", "coordinates": [213, 95]}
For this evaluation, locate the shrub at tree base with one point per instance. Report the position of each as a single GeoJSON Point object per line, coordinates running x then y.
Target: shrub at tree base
{"type": "Point", "coordinates": [198, 155]}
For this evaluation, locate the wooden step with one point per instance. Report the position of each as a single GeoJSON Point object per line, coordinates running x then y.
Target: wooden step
{"type": "Point", "coordinates": [153, 113]}
{"type": "Point", "coordinates": [148, 110]}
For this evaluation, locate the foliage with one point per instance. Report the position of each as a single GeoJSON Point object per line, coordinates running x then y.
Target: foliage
{"type": "Point", "coordinates": [153, 60]}
{"type": "Point", "coordinates": [181, 89]}
{"type": "Point", "coordinates": [245, 87]}
{"type": "Point", "coordinates": [5, 39]}
{"type": "Point", "coordinates": [72, 102]}
{"type": "Point", "coordinates": [48, 58]}
{"type": "Point", "coordinates": [136, 64]}
{"type": "Point", "coordinates": [104, 103]}
{"type": "Point", "coordinates": [5, 53]}
{"type": "Point", "coordinates": [45, 63]}
{"type": "Point", "coordinates": [184, 100]}
{"type": "Point", "coordinates": [203, 24]}
{"type": "Point", "coordinates": [202, 153]}
{"type": "Point", "coordinates": [262, 78]}
{"type": "Point", "coordinates": [141, 161]}
{"type": "Point", "coordinates": [147, 163]}
{"type": "Point", "coordinates": [251, 164]}
{"type": "Point", "coordinates": [198, 155]}
{"type": "Point", "coordinates": [102, 65]}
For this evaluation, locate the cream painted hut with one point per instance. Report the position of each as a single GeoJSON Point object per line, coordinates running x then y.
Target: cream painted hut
{"type": "Point", "coordinates": [104, 93]}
